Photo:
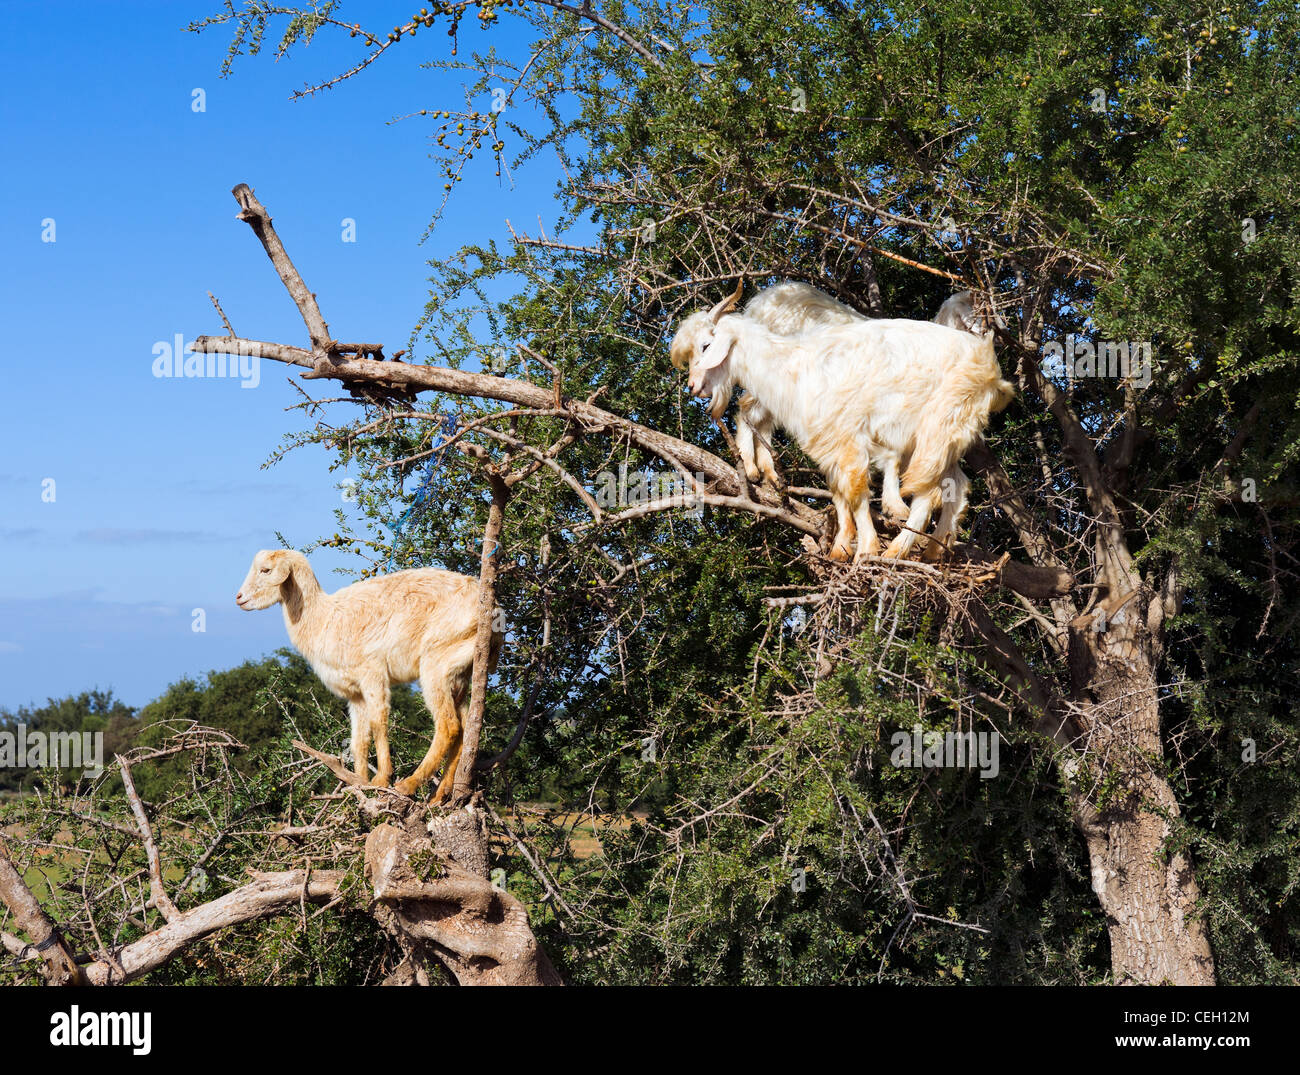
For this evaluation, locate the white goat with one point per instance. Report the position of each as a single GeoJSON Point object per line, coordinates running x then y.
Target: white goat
{"type": "Point", "coordinates": [792, 308]}
{"type": "Point", "coordinates": [958, 311]}
{"type": "Point", "coordinates": [864, 391]}
{"type": "Point", "coordinates": [398, 628]}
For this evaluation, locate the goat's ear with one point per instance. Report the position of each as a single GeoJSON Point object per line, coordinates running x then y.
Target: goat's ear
{"type": "Point", "coordinates": [719, 350]}
{"type": "Point", "coordinates": [280, 569]}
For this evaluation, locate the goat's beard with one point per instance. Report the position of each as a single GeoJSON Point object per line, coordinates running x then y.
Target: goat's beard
{"type": "Point", "coordinates": [717, 389]}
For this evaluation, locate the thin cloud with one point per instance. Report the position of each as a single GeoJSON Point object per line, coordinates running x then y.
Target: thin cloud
{"type": "Point", "coordinates": [213, 487]}
{"type": "Point", "coordinates": [112, 535]}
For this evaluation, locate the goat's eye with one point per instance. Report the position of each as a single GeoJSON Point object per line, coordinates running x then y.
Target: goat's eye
{"type": "Point", "coordinates": [266, 570]}
{"type": "Point", "coordinates": [705, 345]}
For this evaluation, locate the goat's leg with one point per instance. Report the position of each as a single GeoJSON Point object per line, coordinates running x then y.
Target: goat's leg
{"type": "Point", "coordinates": [952, 491]}
{"type": "Point", "coordinates": [853, 489]}
{"type": "Point", "coordinates": [360, 737]}
{"type": "Point", "coordinates": [868, 540]}
{"type": "Point", "coordinates": [377, 711]}
{"type": "Point", "coordinates": [754, 429]}
{"type": "Point", "coordinates": [745, 441]}
{"type": "Point", "coordinates": [448, 780]}
{"type": "Point", "coordinates": [917, 521]}
{"type": "Point", "coordinates": [460, 699]}
{"type": "Point", "coordinates": [438, 697]}
{"type": "Point", "coordinates": [890, 499]}
{"type": "Point", "coordinates": [763, 433]}
{"type": "Point", "coordinates": [842, 549]}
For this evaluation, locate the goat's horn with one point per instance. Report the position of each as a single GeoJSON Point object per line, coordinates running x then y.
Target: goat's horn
{"type": "Point", "coordinates": [729, 303]}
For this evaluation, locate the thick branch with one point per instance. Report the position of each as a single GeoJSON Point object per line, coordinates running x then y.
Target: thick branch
{"type": "Point", "coordinates": [522, 394]}
{"type": "Point", "coordinates": [270, 894]}
{"type": "Point", "coordinates": [46, 940]}
{"type": "Point", "coordinates": [1118, 571]}
{"type": "Point", "coordinates": [487, 579]}
{"type": "Point", "coordinates": [1005, 659]}
{"type": "Point", "coordinates": [1035, 581]}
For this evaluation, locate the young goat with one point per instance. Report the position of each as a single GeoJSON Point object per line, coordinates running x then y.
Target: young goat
{"type": "Point", "coordinates": [886, 391]}
{"type": "Point", "coordinates": [398, 628]}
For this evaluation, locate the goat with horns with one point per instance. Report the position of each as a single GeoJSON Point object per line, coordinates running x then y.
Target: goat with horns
{"type": "Point", "coordinates": [852, 392]}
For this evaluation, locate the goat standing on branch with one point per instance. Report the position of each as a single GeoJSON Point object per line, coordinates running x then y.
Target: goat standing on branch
{"type": "Point", "coordinates": [398, 628]}
{"type": "Point", "coordinates": [884, 390]}
{"type": "Point", "coordinates": [791, 308]}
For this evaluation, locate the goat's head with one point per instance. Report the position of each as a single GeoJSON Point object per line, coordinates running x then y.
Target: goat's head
{"type": "Point", "coordinates": [261, 588]}
{"type": "Point", "coordinates": [702, 346]}
{"type": "Point", "coordinates": [970, 311]}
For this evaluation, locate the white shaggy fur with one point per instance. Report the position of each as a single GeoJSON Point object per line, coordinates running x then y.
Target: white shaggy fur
{"type": "Point", "coordinates": [854, 394]}
{"type": "Point", "coordinates": [398, 628]}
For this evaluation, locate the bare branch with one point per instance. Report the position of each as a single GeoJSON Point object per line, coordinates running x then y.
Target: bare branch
{"type": "Point", "coordinates": [254, 214]}
{"type": "Point", "coordinates": [157, 893]}
{"type": "Point", "coordinates": [270, 894]}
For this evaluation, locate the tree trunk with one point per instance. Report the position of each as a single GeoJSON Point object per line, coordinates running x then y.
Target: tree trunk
{"type": "Point", "coordinates": [1125, 807]}
{"type": "Point", "coordinates": [433, 896]}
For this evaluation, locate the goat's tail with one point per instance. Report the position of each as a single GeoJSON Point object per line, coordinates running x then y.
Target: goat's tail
{"type": "Point", "coordinates": [945, 434]}
{"type": "Point", "coordinates": [931, 460]}
{"type": "Point", "coordinates": [1004, 393]}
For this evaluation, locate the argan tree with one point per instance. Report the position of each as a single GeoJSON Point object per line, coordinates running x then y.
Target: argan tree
{"type": "Point", "coordinates": [1117, 184]}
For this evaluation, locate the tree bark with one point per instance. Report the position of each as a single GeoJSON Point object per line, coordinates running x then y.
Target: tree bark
{"type": "Point", "coordinates": [1127, 810]}
{"type": "Point", "coordinates": [483, 644]}
{"type": "Point", "coordinates": [46, 940]}
{"type": "Point", "coordinates": [434, 897]}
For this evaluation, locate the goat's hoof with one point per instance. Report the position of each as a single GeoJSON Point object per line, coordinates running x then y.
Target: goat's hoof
{"type": "Point", "coordinates": [840, 552]}
{"type": "Point", "coordinates": [871, 548]}
{"type": "Point", "coordinates": [896, 512]}
{"type": "Point", "coordinates": [406, 787]}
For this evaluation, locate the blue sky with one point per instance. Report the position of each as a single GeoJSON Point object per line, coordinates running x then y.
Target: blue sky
{"type": "Point", "coordinates": [159, 496]}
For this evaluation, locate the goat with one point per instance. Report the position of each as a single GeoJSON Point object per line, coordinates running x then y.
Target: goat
{"type": "Point", "coordinates": [854, 393]}
{"type": "Point", "coordinates": [958, 311]}
{"type": "Point", "coordinates": [792, 308]}
{"type": "Point", "coordinates": [789, 308]}
{"type": "Point", "coordinates": [398, 628]}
